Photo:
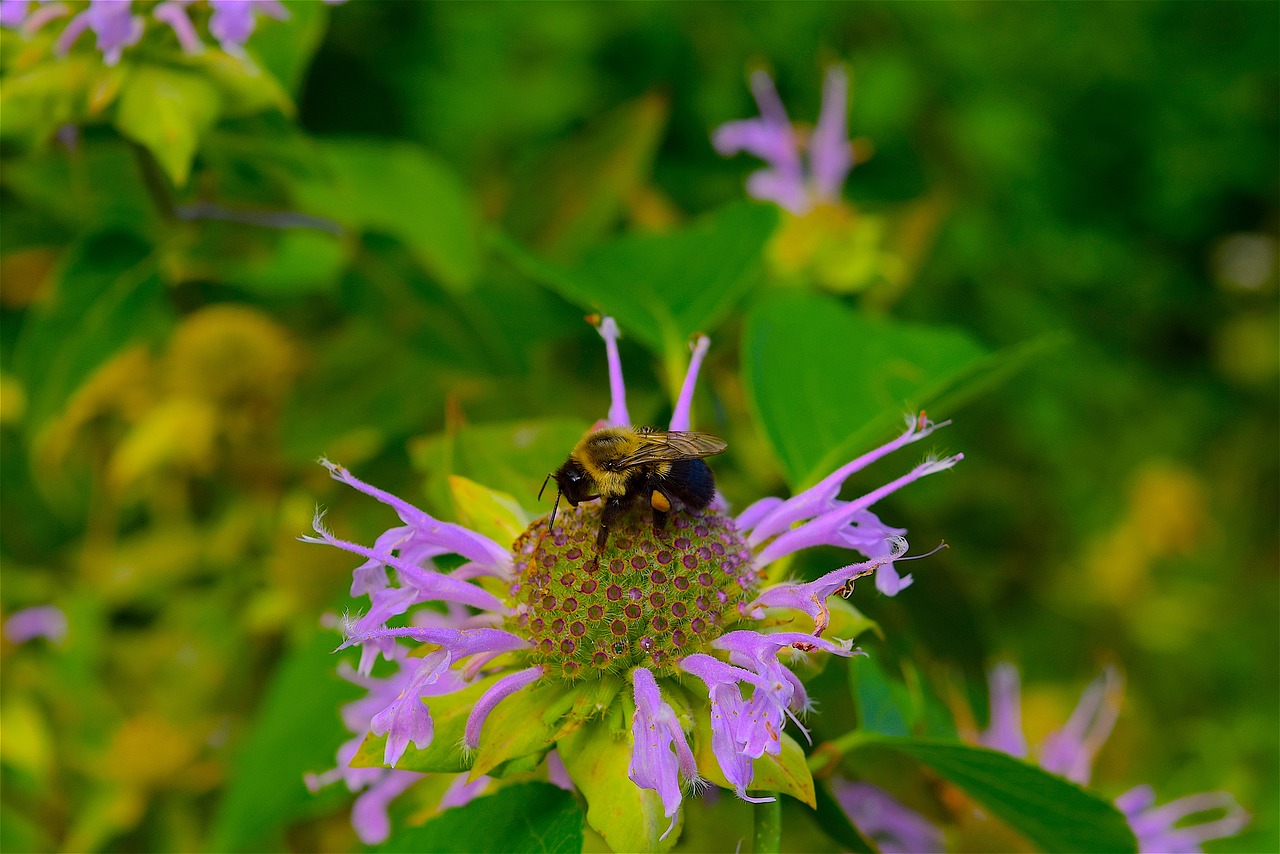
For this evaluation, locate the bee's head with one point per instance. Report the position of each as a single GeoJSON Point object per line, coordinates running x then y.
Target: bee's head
{"type": "Point", "coordinates": [574, 483]}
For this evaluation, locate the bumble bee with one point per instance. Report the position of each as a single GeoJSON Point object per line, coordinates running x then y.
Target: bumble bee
{"type": "Point", "coordinates": [626, 465]}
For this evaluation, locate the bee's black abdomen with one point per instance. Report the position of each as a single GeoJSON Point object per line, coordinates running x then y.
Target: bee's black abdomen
{"type": "Point", "coordinates": [692, 482]}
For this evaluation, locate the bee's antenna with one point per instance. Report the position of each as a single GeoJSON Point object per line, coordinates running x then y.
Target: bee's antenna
{"type": "Point", "coordinates": [544, 485]}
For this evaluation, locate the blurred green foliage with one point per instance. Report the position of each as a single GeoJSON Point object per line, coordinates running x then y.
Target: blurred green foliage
{"type": "Point", "coordinates": [377, 239]}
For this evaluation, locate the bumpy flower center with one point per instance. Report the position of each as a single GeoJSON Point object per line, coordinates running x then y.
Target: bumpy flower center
{"type": "Point", "coordinates": [648, 599]}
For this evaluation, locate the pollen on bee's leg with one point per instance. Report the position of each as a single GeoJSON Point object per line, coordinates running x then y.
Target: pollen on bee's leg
{"type": "Point", "coordinates": [660, 502]}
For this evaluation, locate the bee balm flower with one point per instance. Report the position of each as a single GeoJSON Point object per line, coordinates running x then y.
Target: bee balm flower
{"type": "Point", "coordinates": [663, 645]}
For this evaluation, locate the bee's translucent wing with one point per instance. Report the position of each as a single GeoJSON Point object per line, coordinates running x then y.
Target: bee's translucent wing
{"type": "Point", "coordinates": [657, 447]}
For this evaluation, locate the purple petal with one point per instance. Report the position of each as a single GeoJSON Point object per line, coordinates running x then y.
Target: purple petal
{"type": "Point", "coordinates": [460, 792]}
{"type": "Point", "coordinates": [428, 584]}
{"type": "Point", "coordinates": [680, 418]}
{"type": "Point", "coordinates": [1005, 732]}
{"type": "Point", "coordinates": [13, 12]}
{"type": "Point", "coordinates": [460, 642]}
{"type": "Point", "coordinates": [43, 15]}
{"type": "Point", "coordinates": [557, 774]}
{"type": "Point", "coordinates": [730, 722]}
{"type": "Point", "coordinates": [175, 15]}
{"type": "Point", "coordinates": [783, 187]}
{"type": "Point", "coordinates": [1071, 750]}
{"type": "Point", "coordinates": [618, 415]}
{"type": "Point", "coordinates": [448, 537]}
{"type": "Point", "coordinates": [407, 718]}
{"type": "Point", "coordinates": [503, 688]}
{"type": "Point", "coordinates": [41, 621]}
{"type": "Point", "coordinates": [369, 813]}
{"type": "Point", "coordinates": [821, 497]}
{"type": "Point", "coordinates": [1155, 826]}
{"type": "Point", "coordinates": [830, 157]}
{"type": "Point", "coordinates": [811, 597]}
{"type": "Point", "coordinates": [655, 732]}
{"type": "Point", "coordinates": [827, 528]}
{"type": "Point", "coordinates": [233, 21]}
{"type": "Point", "coordinates": [894, 828]}
{"type": "Point", "coordinates": [112, 22]}
{"type": "Point", "coordinates": [749, 518]}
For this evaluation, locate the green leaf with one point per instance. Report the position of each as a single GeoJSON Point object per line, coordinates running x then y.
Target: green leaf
{"type": "Point", "coordinates": [567, 200]}
{"type": "Point", "coordinates": [296, 731]}
{"type": "Point", "coordinates": [533, 720]}
{"type": "Point", "coordinates": [883, 704]}
{"type": "Point", "coordinates": [529, 817]}
{"type": "Point", "coordinates": [628, 817]}
{"type": "Point", "coordinates": [495, 514]}
{"type": "Point", "coordinates": [401, 190]}
{"type": "Point", "coordinates": [825, 382]}
{"type": "Point", "coordinates": [511, 456]}
{"type": "Point", "coordinates": [663, 288]}
{"type": "Point", "coordinates": [107, 295]}
{"type": "Point", "coordinates": [1053, 813]}
{"type": "Point", "coordinates": [444, 754]}
{"type": "Point", "coordinates": [166, 110]}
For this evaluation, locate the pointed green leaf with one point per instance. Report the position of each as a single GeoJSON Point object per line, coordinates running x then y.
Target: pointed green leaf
{"type": "Point", "coordinates": [825, 382]}
{"type": "Point", "coordinates": [495, 514]}
{"type": "Point", "coordinates": [530, 817]}
{"type": "Point", "coordinates": [883, 704]}
{"type": "Point", "coordinates": [663, 288]}
{"type": "Point", "coordinates": [1053, 813]}
{"type": "Point", "coordinates": [402, 190]}
{"type": "Point", "coordinates": [628, 817]}
{"type": "Point", "coordinates": [296, 731]}
{"type": "Point", "coordinates": [166, 110]}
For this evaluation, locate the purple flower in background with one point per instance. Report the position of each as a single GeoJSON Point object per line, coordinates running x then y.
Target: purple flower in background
{"type": "Point", "coordinates": [112, 22]}
{"type": "Point", "coordinates": [549, 613]}
{"type": "Point", "coordinates": [1071, 750]}
{"type": "Point", "coordinates": [120, 24]}
{"type": "Point", "coordinates": [799, 174]}
{"type": "Point", "coordinates": [41, 621]}
{"type": "Point", "coordinates": [233, 21]}
{"type": "Point", "coordinates": [894, 828]}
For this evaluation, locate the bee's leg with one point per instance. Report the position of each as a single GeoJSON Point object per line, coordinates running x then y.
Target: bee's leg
{"type": "Point", "coordinates": [613, 508]}
{"type": "Point", "coordinates": [661, 504]}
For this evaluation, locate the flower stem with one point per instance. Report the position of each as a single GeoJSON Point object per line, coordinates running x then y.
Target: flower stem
{"type": "Point", "coordinates": [768, 827]}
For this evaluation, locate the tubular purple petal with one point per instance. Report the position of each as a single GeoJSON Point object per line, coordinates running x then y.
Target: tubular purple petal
{"type": "Point", "coordinates": [1155, 826]}
{"type": "Point", "coordinates": [429, 584]}
{"type": "Point", "coordinates": [449, 537]}
{"type": "Point", "coordinates": [681, 417]}
{"type": "Point", "coordinates": [1005, 732]}
{"type": "Point", "coordinates": [894, 828]}
{"type": "Point", "coordinates": [407, 718]}
{"type": "Point", "coordinates": [811, 597]}
{"type": "Point", "coordinates": [655, 732]}
{"type": "Point", "coordinates": [825, 529]}
{"type": "Point", "coordinates": [821, 497]}
{"type": "Point", "coordinates": [460, 642]}
{"type": "Point", "coordinates": [43, 15]}
{"type": "Point", "coordinates": [175, 15]}
{"type": "Point", "coordinates": [112, 22]}
{"type": "Point", "coordinates": [748, 519]}
{"type": "Point", "coordinates": [40, 621]}
{"type": "Point", "coordinates": [830, 157]}
{"type": "Point", "coordinates": [618, 415]}
{"type": "Point", "coordinates": [732, 723]}
{"type": "Point", "coordinates": [503, 688]}
{"type": "Point", "coordinates": [369, 813]}
{"type": "Point", "coordinates": [1070, 751]}
{"type": "Point", "coordinates": [13, 12]}
{"type": "Point", "coordinates": [460, 792]}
